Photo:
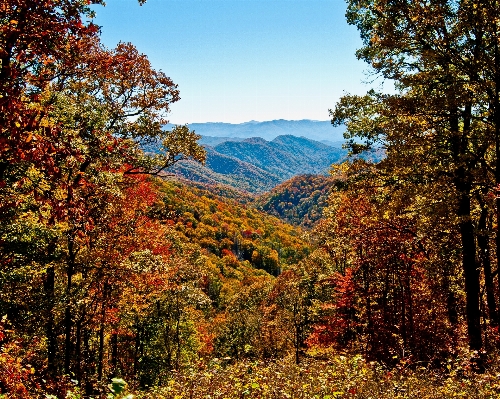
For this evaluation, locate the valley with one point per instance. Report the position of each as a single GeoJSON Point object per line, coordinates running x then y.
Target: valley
{"type": "Point", "coordinates": [255, 165]}
{"type": "Point", "coordinates": [285, 176]}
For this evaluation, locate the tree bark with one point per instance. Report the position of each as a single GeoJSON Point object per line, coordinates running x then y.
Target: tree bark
{"type": "Point", "coordinates": [100, 353]}
{"type": "Point", "coordinates": [471, 272]}
{"type": "Point", "coordinates": [68, 322]}
{"type": "Point", "coordinates": [114, 353]}
{"type": "Point", "coordinates": [484, 252]}
{"type": "Point", "coordinates": [49, 287]}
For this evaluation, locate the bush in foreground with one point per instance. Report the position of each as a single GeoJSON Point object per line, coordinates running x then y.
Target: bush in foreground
{"type": "Point", "coordinates": [339, 377]}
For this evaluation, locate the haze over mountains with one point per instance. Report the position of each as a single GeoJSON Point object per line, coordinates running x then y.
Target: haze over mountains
{"type": "Point", "coordinates": [323, 131]}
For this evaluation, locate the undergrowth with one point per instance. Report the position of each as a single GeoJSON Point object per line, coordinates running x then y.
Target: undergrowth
{"type": "Point", "coordinates": [338, 377]}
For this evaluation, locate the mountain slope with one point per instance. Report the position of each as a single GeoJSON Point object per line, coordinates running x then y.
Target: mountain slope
{"type": "Point", "coordinates": [255, 165]}
{"type": "Point", "coordinates": [226, 170]}
{"type": "Point", "coordinates": [285, 156]}
{"type": "Point", "coordinates": [229, 234]}
{"type": "Point", "coordinates": [299, 201]}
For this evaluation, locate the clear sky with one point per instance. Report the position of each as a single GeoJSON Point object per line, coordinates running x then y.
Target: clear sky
{"type": "Point", "coordinates": [242, 60]}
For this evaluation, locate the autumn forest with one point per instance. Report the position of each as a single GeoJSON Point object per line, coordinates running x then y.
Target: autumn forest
{"type": "Point", "coordinates": [380, 280]}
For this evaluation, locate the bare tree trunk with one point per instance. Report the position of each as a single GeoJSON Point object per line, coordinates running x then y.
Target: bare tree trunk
{"type": "Point", "coordinates": [471, 273]}
{"type": "Point", "coordinates": [68, 322]}
{"type": "Point", "coordinates": [484, 253]}
{"type": "Point", "coordinates": [114, 353]}
{"type": "Point", "coordinates": [49, 288]}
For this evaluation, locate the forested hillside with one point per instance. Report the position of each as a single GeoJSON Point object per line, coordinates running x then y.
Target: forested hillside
{"type": "Point", "coordinates": [225, 227]}
{"type": "Point", "coordinates": [226, 170]}
{"type": "Point", "coordinates": [116, 282]}
{"type": "Point", "coordinates": [255, 165]}
{"type": "Point", "coordinates": [299, 201]}
{"type": "Point", "coordinates": [284, 156]}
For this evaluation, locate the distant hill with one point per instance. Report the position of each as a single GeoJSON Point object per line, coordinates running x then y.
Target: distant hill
{"type": "Point", "coordinates": [269, 130]}
{"type": "Point", "coordinates": [256, 165]}
{"type": "Point", "coordinates": [298, 201]}
{"type": "Point", "coordinates": [213, 141]}
{"type": "Point", "coordinates": [285, 156]}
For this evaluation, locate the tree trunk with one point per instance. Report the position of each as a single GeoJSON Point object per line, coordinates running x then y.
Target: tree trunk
{"type": "Point", "coordinates": [100, 353]}
{"type": "Point", "coordinates": [49, 287]}
{"type": "Point", "coordinates": [68, 323]}
{"type": "Point", "coordinates": [484, 251]}
{"type": "Point", "coordinates": [471, 272]}
{"type": "Point", "coordinates": [462, 182]}
{"type": "Point", "coordinates": [114, 353]}
{"type": "Point", "coordinates": [496, 123]}
{"type": "Point", "coordinates": [78, 350]}
{"type": "Point", "coordinates": [137, 346]}
{"type": "Point", "coordinates": [89, 363]}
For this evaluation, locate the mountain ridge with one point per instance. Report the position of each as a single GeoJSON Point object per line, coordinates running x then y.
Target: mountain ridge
{"type": "Point", "coordinates": [256, 165]}
{"type": "Point", "coordinates": [311, 129]}
{"type": "Point", "coordinates": [299, 201]}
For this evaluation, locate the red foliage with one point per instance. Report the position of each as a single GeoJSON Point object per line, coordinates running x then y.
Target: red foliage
{"type": "Point", "coordinates": [383, 294]}
{"type": "Point", "coordinates": [227, 252]}
{"type": "Point", "coordinates": [206, 339]}
{"type": "Point", "coordinates": [15, 374]}
{"type": "Point", "coordinates": [338, 324]}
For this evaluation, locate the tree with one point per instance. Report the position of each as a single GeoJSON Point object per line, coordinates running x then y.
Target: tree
{"type": "Point", "coordinates": [389, 284]}
{"type": "Point", "coordinates": [292, 302]}
{"type": "Point", "coordinates": [441, 128]}
{"type": "Point", "coordinates": [75, 118]}
{"type": "Point", "coordinates": [39, 42]}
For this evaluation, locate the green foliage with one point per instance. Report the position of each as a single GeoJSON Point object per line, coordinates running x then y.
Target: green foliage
{"type": "Point", "coordinates": [118, 389]}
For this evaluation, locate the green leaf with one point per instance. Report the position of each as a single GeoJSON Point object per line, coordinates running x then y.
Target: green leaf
{"type": "Point", "coordinates": [117, 386]}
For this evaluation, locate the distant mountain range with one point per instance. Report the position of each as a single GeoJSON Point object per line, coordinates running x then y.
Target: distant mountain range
{"type": "Point", "coordinates": [322, 131]}
{"type": "Point", "coordinates": [256, 165]}
{"type": "Point", "coordinates": [254, 157]}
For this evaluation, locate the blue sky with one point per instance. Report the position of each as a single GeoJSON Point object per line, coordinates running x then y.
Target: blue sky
{"type": "Point", "coordinates": [242, 60]}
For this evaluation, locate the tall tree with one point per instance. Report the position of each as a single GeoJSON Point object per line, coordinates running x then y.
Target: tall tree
{"type": "Point", "coordinates": [440, 126]}
{"type": "Point", "coordinates": [74, 119]}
